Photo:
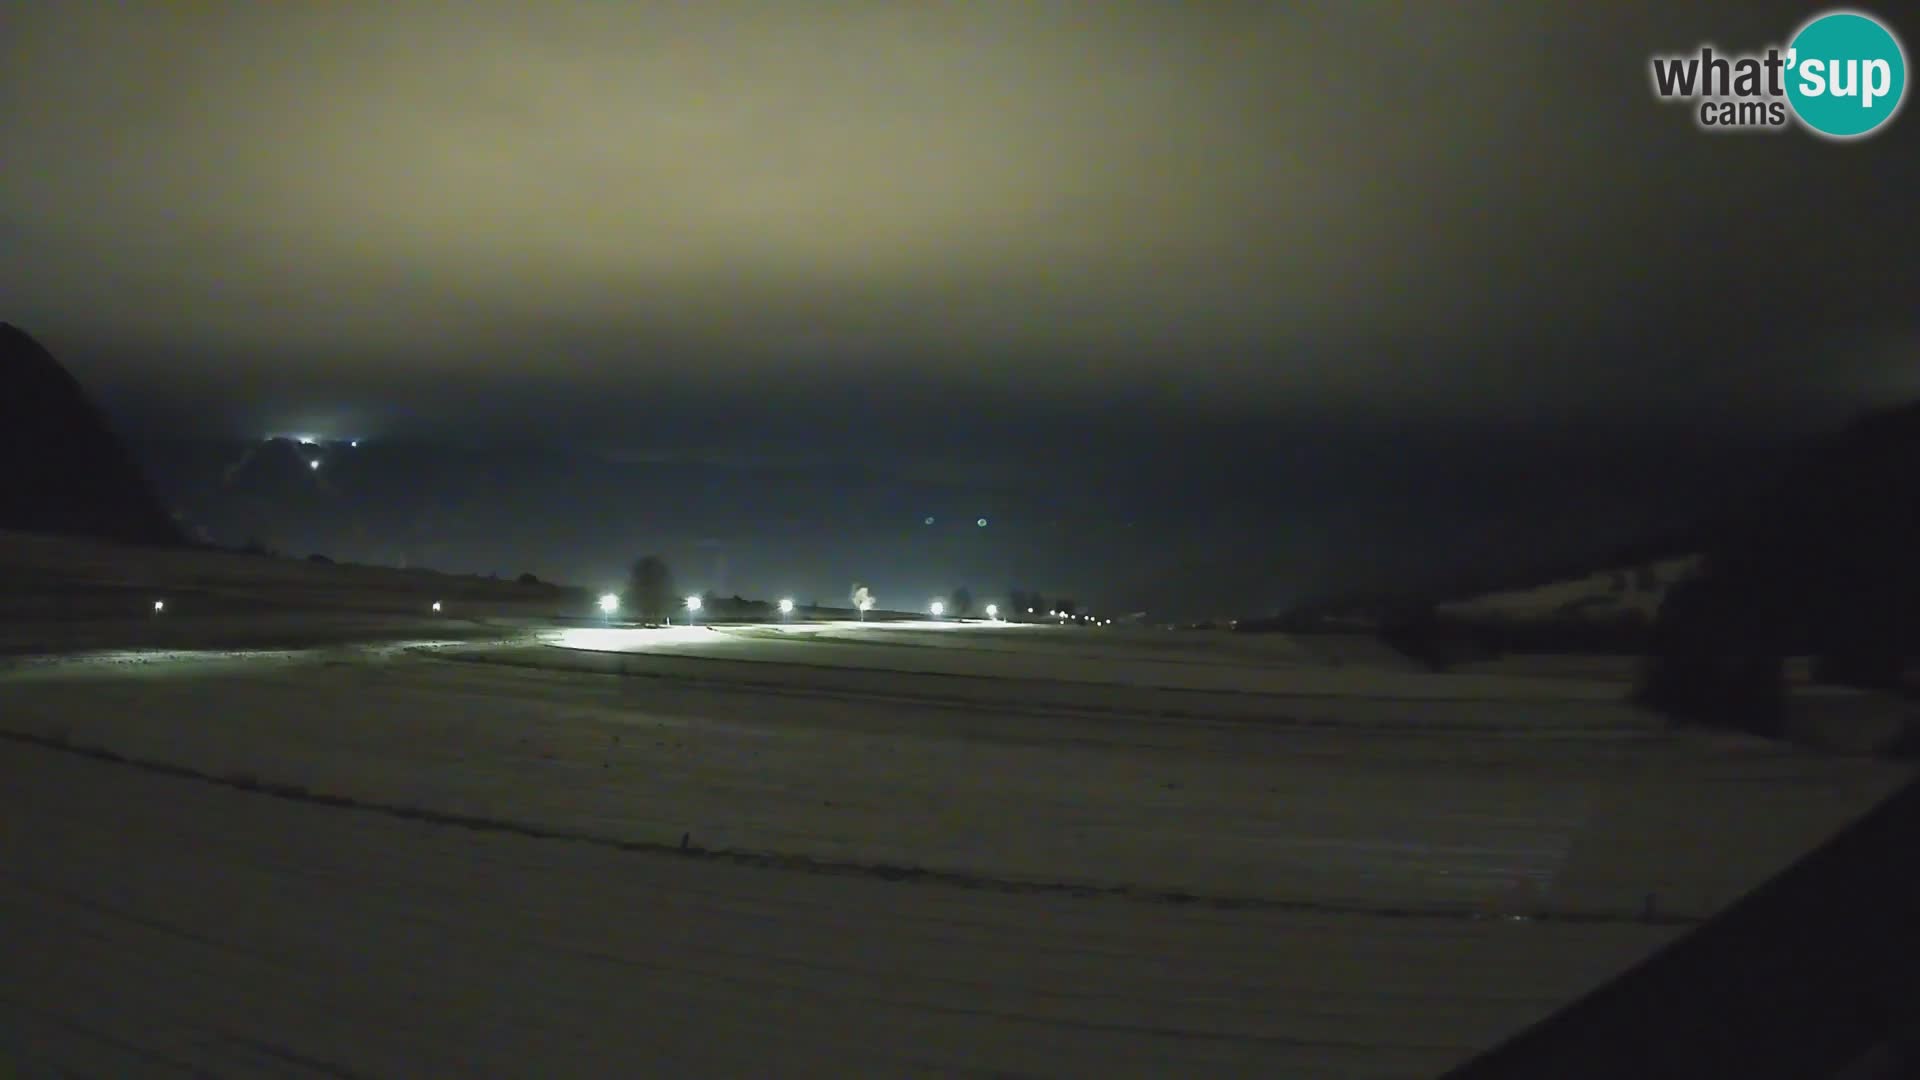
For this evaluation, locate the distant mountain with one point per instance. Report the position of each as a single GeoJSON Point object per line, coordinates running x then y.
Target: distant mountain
{"type": "Point", "coordinates": [62, 468]}
{"type": "Point", "coordinates": [505, 510]}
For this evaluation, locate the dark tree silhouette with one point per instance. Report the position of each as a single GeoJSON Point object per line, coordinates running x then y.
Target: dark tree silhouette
{"type": "Point", "coordinates": [650, 589]}
{"type": "Point", "coordinates": [1716, 658]}
{"type": "Point", "coordinates": [1821, 564]}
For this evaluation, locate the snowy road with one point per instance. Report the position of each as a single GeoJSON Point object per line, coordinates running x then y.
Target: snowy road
{"type": "Point", "coordinates": [264, 881]}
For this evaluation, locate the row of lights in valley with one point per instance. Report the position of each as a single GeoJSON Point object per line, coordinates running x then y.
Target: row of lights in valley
{"type": "Point", "coordinates": [609, 605]}
{"type": "Point", "coordinates": [938, 609]}
{"type": "Point", "coordinates": [1068, 616]}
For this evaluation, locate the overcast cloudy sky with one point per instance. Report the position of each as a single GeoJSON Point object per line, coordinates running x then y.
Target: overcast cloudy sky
{"type": "Point", "coordinates": [1470, 207]}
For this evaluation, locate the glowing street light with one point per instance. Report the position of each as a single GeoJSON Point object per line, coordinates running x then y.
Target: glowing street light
{"type": "Point", "coordinates": [436, 606]}
{"type": "Point", "coordinates": [314, 464]}
{"type": "Point", "coordinates": [159, 606]}
{"type": "Point", "coordinates": [993, 611]}
{"type": "Point", "coordinates": [693, 608]}
{"type": "Point", "coordinates": [786, 605]}
{"type": "Point", "coordinates": [937, 608]}
{"type": "Point", "coordinates": [865, 605]}
{"type": "Point", "coordinates": [609, 603]}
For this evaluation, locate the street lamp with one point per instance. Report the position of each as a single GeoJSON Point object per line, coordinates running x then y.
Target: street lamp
{"type": "Point", "coordinates": [993, 611]}
{"type": "Point", "coordinates": [866, 604]}
{"type": "Point", "coordinates": [693, 608]}
{"type": "Point", "coordinates": [937, 608]}
{"type": "Point", "coordinates": [436, 606]}
{"type": "Point", "coordinates": [159, 606]}
{"type": "Point", "coordinates": [609, 604]}
{"type": "Point", "coordinates": [786, 605]}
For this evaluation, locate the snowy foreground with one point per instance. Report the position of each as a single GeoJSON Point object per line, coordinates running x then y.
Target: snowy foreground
{"type": "Point", "coordinates": [846, 850]}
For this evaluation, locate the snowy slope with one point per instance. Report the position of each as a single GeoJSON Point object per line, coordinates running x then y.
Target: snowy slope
{"type": "Point", "coordinates": [1627, 591]}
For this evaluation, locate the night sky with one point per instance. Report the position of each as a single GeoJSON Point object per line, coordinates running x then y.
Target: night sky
{"type": "Point", "coordinates": [970, 243]}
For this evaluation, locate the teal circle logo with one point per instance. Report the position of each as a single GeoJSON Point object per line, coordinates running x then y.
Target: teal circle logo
{"type": "Point", "coordinates": [1846, 74]}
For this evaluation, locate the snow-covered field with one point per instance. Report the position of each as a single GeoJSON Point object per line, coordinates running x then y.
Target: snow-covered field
{"type": "Point", "coordinates": [63, 592]}
{"type": "Point", "coordinates": [845, 849]}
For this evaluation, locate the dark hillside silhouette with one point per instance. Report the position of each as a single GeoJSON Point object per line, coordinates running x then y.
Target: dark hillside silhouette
{"type": "Point", "coordinates": [62, 469]}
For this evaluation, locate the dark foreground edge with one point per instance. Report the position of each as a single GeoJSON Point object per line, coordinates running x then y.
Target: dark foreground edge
{"type": "Point", "coordinates": [1814, 974]}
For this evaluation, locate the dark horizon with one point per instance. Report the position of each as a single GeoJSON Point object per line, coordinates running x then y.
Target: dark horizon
{"type": "Point", "coordinates": [1162, 526]}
